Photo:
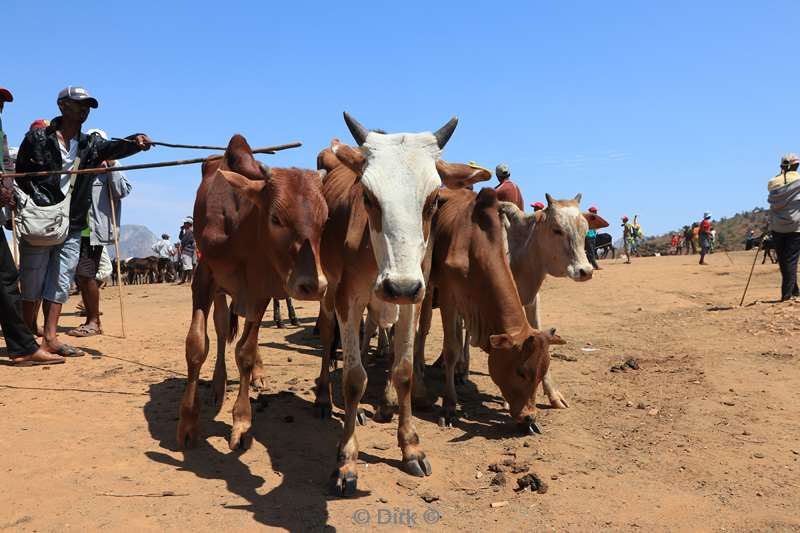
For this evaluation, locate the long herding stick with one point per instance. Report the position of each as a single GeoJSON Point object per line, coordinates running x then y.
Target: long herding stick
{"type": "Point", "coordinates": [102, 170]}
{"type": "Point", "coordinates": [760, 244]}
{"type": "Point", "coordinates": [116, 248]}
{"type": "Point", "coordinates": [14, 240]}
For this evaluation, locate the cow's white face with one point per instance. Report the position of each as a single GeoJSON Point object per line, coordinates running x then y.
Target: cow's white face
{"type": "Point", "coordinates": [401, 185]}
{"type": "Point", "coordinates": [400, 189]}
{"type": "Point", "coordinates": [562, 239]}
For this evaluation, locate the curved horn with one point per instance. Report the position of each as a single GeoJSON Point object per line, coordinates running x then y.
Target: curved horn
{"type": "Point", "coordinates": [578, 197]}
{"type": "Point", "coordinates": [358, 131]}
{"type": "Point", "coordinates": [549, 199]}
{"type": "Point", "coordinates": [444, 133]}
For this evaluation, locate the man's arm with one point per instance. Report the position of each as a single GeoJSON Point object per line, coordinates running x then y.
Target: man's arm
{"type": "Point", "coordinates": [118, 182]}
{"type": "Point", "coordinates": [132, 144]}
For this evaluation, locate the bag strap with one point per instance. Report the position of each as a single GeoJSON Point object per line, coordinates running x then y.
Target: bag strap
{"type": "Point", "coordinates": [73, 177]}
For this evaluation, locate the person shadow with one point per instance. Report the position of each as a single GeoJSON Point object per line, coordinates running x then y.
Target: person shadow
{"type": "Point", "coordinates": [301, 451]}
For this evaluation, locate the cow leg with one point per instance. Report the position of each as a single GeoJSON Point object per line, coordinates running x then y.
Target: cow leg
{"type": "Point", "coordinates": [557, 400]}
{"type": "Point", "coordinates": [414, 460]}
{"type": "Point", "coordinates": [462, 367]}
{"type": "Point", "coordinates": [354, 383]}
{"type": "Point", "coordinates": [276, 312]}
{"type": "Point", "coordinates": [451, 328]}
{"type": "Point", "coordinates": [196, 352]}
{"type": "Point", "coordinates": [246, 356]}
{"type": "Point", "coordinates": [292, 315]}
{"type": "Point", "coordinates": [532, 312]}
{"type": "Point", "coordinates": [419, 394]}
{"type": "Point", "coordinates": [370, 327]}
{"type": "Point", "coordinates": [221, 326]}
{"type": "Point", "coordinates": [384, 347]}
{"type": "Point", "coordinates": [327, 328]}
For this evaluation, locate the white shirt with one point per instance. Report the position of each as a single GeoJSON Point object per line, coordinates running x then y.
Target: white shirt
{"type": "Point", "coordinates": [68, 156]}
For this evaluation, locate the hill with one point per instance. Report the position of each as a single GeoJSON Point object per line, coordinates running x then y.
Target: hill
{"type": "Point", "coordinates": [731, 232]}
{"type": "Point", "coordinates": [135, 241]}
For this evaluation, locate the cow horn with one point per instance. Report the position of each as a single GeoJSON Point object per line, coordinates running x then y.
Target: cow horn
{"type": "Point", "coordinates": [358, 131]}
{"type": "Point", "coordinates": [578, 198]}
{"type": "Point", "coordinates": [444, 133]}
{"type": "Point", "coordinates": [549, 199]}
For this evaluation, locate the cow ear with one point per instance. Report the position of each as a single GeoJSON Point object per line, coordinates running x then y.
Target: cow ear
{"type": "Point", "coordinates": [253, 190]}
{"type": "Point", "coordinates": [549, 199]}
{"type": "Point", "coordinates": [350, 156]}
{"type": "Point", "coordinates": [502, 341]}
{"type": "Point", "coordinates": [552, 338]}
{"type": "Point", "coordinates": [459, 176]}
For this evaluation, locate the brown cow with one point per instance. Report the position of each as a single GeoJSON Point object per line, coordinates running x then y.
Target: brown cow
{"type": "Point", "coordinates": [470, 269]}
{"type": "Point", "coordinates": [259, 231]}
{"type": "Point", "coordinates": [381, 199]}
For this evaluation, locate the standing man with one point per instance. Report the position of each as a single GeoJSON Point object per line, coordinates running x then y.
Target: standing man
{"type": "Point", "coordinates": [590, 243]}
{"type": "Point", "coordinates": [627, 239]}
{"type": "Point", "coordinates": [188, 246]}
{"type": "Point", "coordinates": [507, 190]}
{"type": "Point", "coordinates": [165, 252]}
{"type": "Point", "coordinates": [22, 347]}
{"type": "Point", "coordinates": [98, 233]}
{"type": "Point", "coordinates": [705, 237]}
{"type": "Point", "coordinates": [784, 222]}
{"type": "Point", "coordinates": [48, 270]}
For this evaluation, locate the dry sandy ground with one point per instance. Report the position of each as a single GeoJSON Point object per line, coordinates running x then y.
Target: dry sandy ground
{"type": "Point", "coordinates": [705, 436]}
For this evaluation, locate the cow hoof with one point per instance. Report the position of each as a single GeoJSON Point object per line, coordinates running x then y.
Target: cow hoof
{"type": "Point", "coordinates": [279, 324]}
{"type": "Point", "coordinates": [419, 467]}
{"type": "Point", "coordinates": [447, 419]}
{"type": "Point", "coordinates": [530, 427]}
{"type": "Point", "coordinates": [322, 411]}
{"type": "Point", "coordinates": [241, 441]}
{"type": "Point", "coordinates": [344, 484]}
{"type": "Point", "coordinates": [559, 402]}
{"type": "Point", "coordinates": [361, 417]}
{"type": "Point", "coordinates": [384, 413]}
{"type": "Point", "coordinates": [295, 322]}
{"type": "Point", "coordinates": [187, 437]}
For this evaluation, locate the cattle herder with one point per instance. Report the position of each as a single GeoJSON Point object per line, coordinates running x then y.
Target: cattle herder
{"type": "Point", "coordinates": [784, 222]}
{"type": "Point", "coordinates": [507, 190]}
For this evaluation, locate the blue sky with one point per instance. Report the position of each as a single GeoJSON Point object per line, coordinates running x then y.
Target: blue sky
{"type": "Point", "coordinates": [664, 109]}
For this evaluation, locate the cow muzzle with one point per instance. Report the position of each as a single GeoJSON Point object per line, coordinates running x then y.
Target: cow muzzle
{"type": "Point", "coordinates": [581, 272]}
{"type": "Point", "coordinates": [400, 291]}
{"type": "Point", "coordinates": [307, 287]}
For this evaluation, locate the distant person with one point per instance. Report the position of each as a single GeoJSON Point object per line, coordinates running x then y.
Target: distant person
{"type": "Point", "coordinates": [188, 248]}
{"type": "Point", "coordinates": [695, 237]}
{"type": "Point", "coordinates": [704, 235]}
{"type": "Point", "coordinates": [687, 239]}
{"type": "Point", "coordinates": [507, 190]}
{"type": "Point", "coordinates": [165, 253]}
{"type": "Point", "coordinates": [627, 239]}
{"type": "Point", "coordinates": [784, 222]}
{"type": "Point", "coordinates": [98, 233]}
{"type": "Point", "coordinates": [675, 244]}
{"type": "Point", "coordinates": [590, 243]}
{"type": "Point", "coordinates": [537, 206]}
{"type": "Point", "coordinates": [47, 271]}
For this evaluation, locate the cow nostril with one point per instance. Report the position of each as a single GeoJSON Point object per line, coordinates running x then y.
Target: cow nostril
{"type": "Point", "coordinates": [306, 288]}
{"type": "Point", "coordinates": [415, 289]}
{"type": "Point", "coordinates": [390, 289]}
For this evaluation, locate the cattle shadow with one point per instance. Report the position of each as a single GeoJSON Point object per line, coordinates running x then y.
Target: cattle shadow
{"type": "Point", "coordinates": [302, 455]}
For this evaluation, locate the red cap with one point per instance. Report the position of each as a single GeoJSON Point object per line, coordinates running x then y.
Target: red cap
{"type": "Point", "coordinates": [624, 219]}
{"type": "Point", "coordinates": [6, 95]}
{"type": "Point", "coordinates": [593, 209]}
{"type": "Point", "coordinates": [36, 124]}
{"type": "Point", "coordinates": [538, 205]}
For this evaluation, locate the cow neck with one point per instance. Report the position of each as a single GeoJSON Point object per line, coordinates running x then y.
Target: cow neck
{"type": "Point", "coordinates": [527, 262]}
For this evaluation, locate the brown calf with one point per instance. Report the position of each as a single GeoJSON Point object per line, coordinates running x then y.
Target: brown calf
{"type": "Point", "coordinates": [259, 231]}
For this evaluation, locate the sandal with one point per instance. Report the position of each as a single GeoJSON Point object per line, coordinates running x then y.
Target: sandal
{"type": "Point", "coordinates": [65, 350]}
{"type": "Point", "coordinates": [85, 330]}
{"type": "Point", "coordinates": [32, 361]}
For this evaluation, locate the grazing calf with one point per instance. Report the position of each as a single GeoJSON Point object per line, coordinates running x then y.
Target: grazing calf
{"type": "Point", "coordinates": [547, 242]}
{"type": "Point", "coordinates": [471, 272]}
{"type": "Point", "coordinates": [381, 199]}
{"type": "Point", "coordinates": [259, 230]}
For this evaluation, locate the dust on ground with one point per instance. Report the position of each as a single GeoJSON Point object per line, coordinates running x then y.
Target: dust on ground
{"type": "Point", "coordinates": [705, 435]}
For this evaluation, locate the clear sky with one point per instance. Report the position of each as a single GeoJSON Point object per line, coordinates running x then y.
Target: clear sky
{"type": "Point", "coordinates": [664, 109]}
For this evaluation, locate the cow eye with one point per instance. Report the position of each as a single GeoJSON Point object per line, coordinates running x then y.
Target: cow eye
{"type": "Point", "coordinates": [277, 221]}
{"type": "Point", "coordinates": [558, 231]}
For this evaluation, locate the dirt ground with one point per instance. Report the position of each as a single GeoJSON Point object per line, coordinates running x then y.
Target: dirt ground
{"type": "Point", "coordinates": [704, 436]}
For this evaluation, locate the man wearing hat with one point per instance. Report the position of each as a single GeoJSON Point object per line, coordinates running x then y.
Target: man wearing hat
{"type": "Point", "coordinates": [507, 191]}
{"type": "Point", "coordinates": [784, 222]}
{"type": "Point", "coordinates": [47, 271]}
{"type": "Point", "coordinates": [705, 237]}
{"type": "Point", "coordinates": [627, 239]}
{"type": "Point", "coordinates": [187, 250]}
{"type": "Point", "coordinates": [590, 243]}
{"type": "Point", "coordinates": [537, 206]}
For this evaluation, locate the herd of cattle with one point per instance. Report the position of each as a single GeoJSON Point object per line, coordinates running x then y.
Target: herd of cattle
{"type": "Point", "coordinates": [143, 270]}
{"type": "Point", "coordinates": [387, 228]}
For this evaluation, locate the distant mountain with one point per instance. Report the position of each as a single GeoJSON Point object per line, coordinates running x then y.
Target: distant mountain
{"type": "Point", "coordinates": [135, 241]}
{"type": "Point", "coordinates": [731, 232]}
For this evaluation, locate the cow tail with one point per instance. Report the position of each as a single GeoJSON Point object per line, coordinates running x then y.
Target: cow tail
{"type": "Point", "coordinates": [233, 326]}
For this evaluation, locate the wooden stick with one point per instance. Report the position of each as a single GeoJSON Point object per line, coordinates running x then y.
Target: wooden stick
{"type": "Point", "coordinates": [760, 244]}
{"type": "Point", "coordinates": [102, 170]}
{"type": "Point", "coordinates": [172, 145]}
{"type": "Point", "coordinates": [116, 248]}
{"type": "Point", "coordinates": [14, 240]}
